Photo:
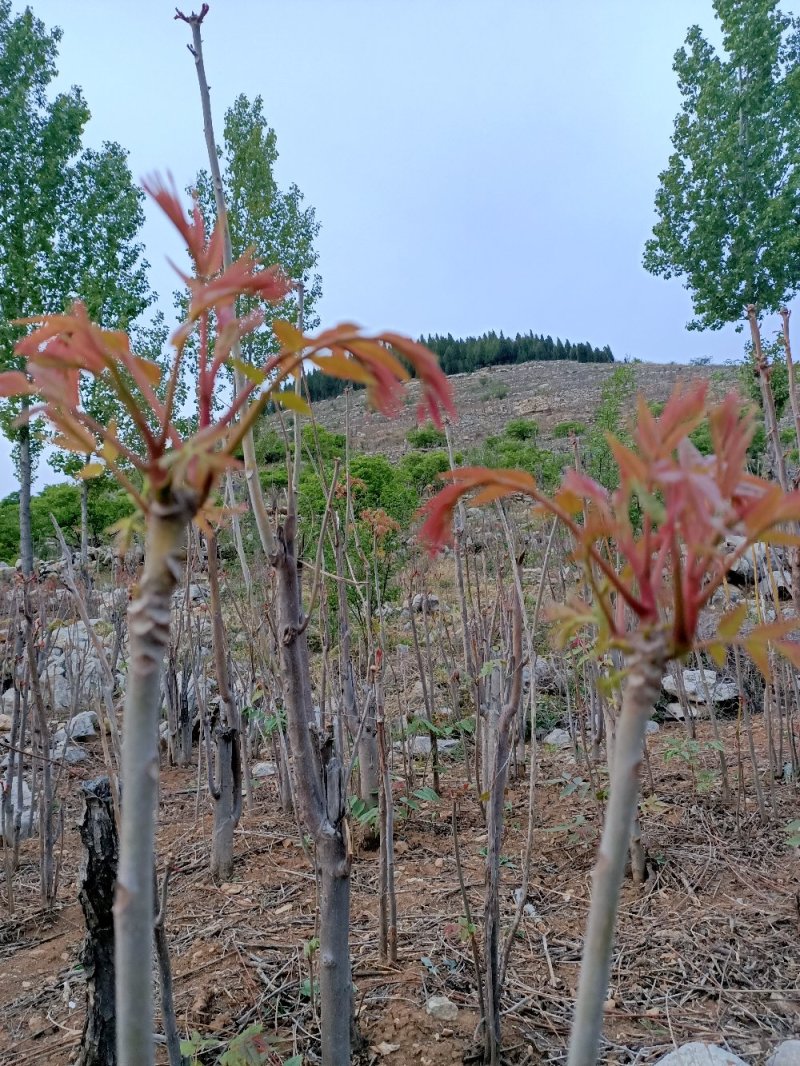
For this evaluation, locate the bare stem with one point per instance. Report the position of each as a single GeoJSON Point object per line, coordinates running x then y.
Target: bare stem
{"type": "Point", "coordinates": [149, 626]}
{"type": "Point", "coordinates": [645, 664]}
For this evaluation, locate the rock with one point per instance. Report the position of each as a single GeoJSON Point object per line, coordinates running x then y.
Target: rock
{"type": "Point", "coordinates": [548, 678]}
{"type": "Point", "coordinates": [652, 727]}
{"type": "Point", "coordinates": [82, 726]}
{"type": "Point", "coordinates": [782, 582]}
{"type": "Point", "coordinates": [700, 1054]}
{"type": "Point", "coordinates": [696, 685]}
{"type": "Point", "coordinates": [786, 1054]}
{"type": "Point", "coordinates": [421, 745]}
{"type": "Point", "coordinates": [263, 769]}
{"type": "Point", "coordinates": [28, 825]}
{"type": "Point", "coordinates": [5, 723]}
{"type": "Point", "coordinates": [420, 601]}
{"type": "Point", "coordinates": [442, 1008]}
{"type": "Point", "coordinates": [68, 753]}
{"type": "Point", "coordinates": [675, 711]}
{"type": "Point", "coordinates": [196, 594]}
{"type": "Point", "coordinates": [744, 572]}
{"type": "Point", "coordinates": [558, 738]}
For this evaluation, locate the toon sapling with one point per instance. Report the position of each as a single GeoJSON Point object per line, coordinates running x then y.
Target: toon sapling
{"type": "Point", "coordinates": [653, 553]}
{"type": "Point", "coordinates": [171, 478]}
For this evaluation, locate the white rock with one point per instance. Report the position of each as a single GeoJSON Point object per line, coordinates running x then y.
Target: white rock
{"type": "Point", "coordinates": [558, 738]}
{"type": "Point", "coordinates": [10, 802]}
{"type": "Point", "coordinates": [419, 601]}
{"type": "Point", "coordinates": [71, 754]}
{"type": "Point", "coordinates": [718, 691]}
{"type": "Point", "coordinates": [263, 769]}
{"type": "Point", "coordinates": [700, 1054]}
{"type": "Point", "coordinates": [652, 727]}
{"type": "Point", "coordinates": [697, 710]}
{"type": "Point", "coordinates": [82, 726]}
{"type": "Point", "coordinates": [442, 1008]}
{"type": "Point", "coordinates": [786, 1054]}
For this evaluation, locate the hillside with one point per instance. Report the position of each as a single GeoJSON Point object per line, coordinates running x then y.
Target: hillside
{"type": "Point", "coordinates": [546, 392]}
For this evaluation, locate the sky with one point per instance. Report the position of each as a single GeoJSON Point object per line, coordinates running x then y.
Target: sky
{"type": "Point", "coordinates": [475, 165]}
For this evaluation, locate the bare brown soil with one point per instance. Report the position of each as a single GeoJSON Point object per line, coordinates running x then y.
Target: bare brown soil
{"type": "Point", "coordinates": [707, 948]}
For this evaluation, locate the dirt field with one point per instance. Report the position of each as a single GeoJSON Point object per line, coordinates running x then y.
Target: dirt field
{"type": "Point", "coordinates": [707, 949]}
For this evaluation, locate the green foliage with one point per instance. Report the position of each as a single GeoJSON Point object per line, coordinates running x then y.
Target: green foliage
{"type": "Point", "coordinates": [496, 452]}
{"type": "Point", "coordinates": [521, 429]}
{"type": "Point", "coordinates": [616, 405]}
{"type": "Point", "coordinates": [420, 470]}
{"type": "Point", "coordinates": [262, 215]}
{"type": "Point", "coordinates": [426, 437]}
{"type": "Point", "coordinates": [270, 447]}
{"type": "Point", "coordinates": [107, 505]}
{"type": "Point", "coordinates": [463, 355]}
{"type": "Point", "coordinates": [729, 199]}
{"type": "Point", "coordinates": [564, 429]}
{"type": "Point", "coordinates": [322, 444]}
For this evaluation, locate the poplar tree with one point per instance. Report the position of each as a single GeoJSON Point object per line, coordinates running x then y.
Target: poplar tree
{"type": "Point", "coordinates": [728, 201]}
{"type": "Point", "coordinates": [69, 218]}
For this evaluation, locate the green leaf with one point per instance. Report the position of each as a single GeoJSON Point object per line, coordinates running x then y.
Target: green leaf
{"type": "Point", "coordinates": [292, 402]}
{"type": "Point", "coordinates": [250, 1048]}
{"type": "Point", "coordinates": [252, 373]}
{"type": "Point", "coordinates": [91, 470]}
{"type": "Point", "coordinates": [731, 623]}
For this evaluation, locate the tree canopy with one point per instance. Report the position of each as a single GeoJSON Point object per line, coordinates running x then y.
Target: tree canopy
{"type": "Point", "coordinates": [463, 355]}
{"type": "Point", "coordinates": [728, 201]}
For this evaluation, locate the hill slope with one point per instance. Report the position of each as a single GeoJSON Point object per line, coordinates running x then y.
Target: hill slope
{"type": "Point", "coordinates": [546, 392]}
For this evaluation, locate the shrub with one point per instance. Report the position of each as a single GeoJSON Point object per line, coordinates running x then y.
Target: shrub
{"type": "Point", "coordinates": [426, 437]}
{"type": "Point", "coordinates": [420, 469]}
{"type": "Point", "coordinates": [522, 429]}
{"type": "Point", "coordinates": [563, 429]}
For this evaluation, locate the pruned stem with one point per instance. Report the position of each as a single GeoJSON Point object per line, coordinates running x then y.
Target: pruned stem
{"type": "Point", "coordinates": [645, 667]}
{"type": "Point", "coordinates": [149, 627]}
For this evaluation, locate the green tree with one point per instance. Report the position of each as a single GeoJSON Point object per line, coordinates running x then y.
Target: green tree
{"type": "Point", "coordinates": [68, 219]}
{"type": "Point", "coordinates": [729, 199]}
{"type": "Point", "coordinates": [261, 215]}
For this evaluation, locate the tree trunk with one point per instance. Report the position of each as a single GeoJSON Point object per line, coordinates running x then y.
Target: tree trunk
{"type": "Point", "coordinates": [496, 786]}
{"type": "Point", "coordinates": [335, 984]}
{"type": "Point", "coordinates": [25, 479]}
{"type": "Point", "coordinates": [85, 525]}
{"type": "Point", "coordinates": [226, 792]}
{"type": "Point", "coordinates": [168, 1019]}
{"type": "Point", "coordinates": [149, 626]}
{"type": "Point", "coordinates": [227, 797]}
{"type": "Point", "coordinates": [97, 879]}
{"type": "Point", "coordinates": [320, 794]}
{"type": "Point", "coordinates": [645, 669]}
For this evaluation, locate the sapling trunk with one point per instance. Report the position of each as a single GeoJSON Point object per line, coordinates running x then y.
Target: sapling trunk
{"type": "Point", "coordinates": [97, 877]}
{"type": "Point", "coordinates": [168, 1018]}
{"type": "Point", "coordinates": [643, 684]}
{"type": "Point", "coordinates": [320, 794]}
{"type": "Point", "coordinates": [85, 526]}
{"type": "Point", "coordinates": [494, 825]}
{"type": "Point", "coordinates": [226, 791]}
{"type": "Point", "coordinates": [149, 625]}
{"type": "Point", "coordinates": [25, 479]}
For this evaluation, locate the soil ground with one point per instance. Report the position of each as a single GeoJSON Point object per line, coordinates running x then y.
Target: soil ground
{"type": "Point", "coordinates": [707, 948]}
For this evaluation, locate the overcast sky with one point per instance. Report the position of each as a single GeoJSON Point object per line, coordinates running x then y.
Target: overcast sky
{"type": "Point", "coordinates": [475, 165]}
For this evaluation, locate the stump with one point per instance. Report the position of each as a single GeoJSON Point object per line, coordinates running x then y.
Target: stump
{"type": "Point", "coordinates": [97, 880]}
